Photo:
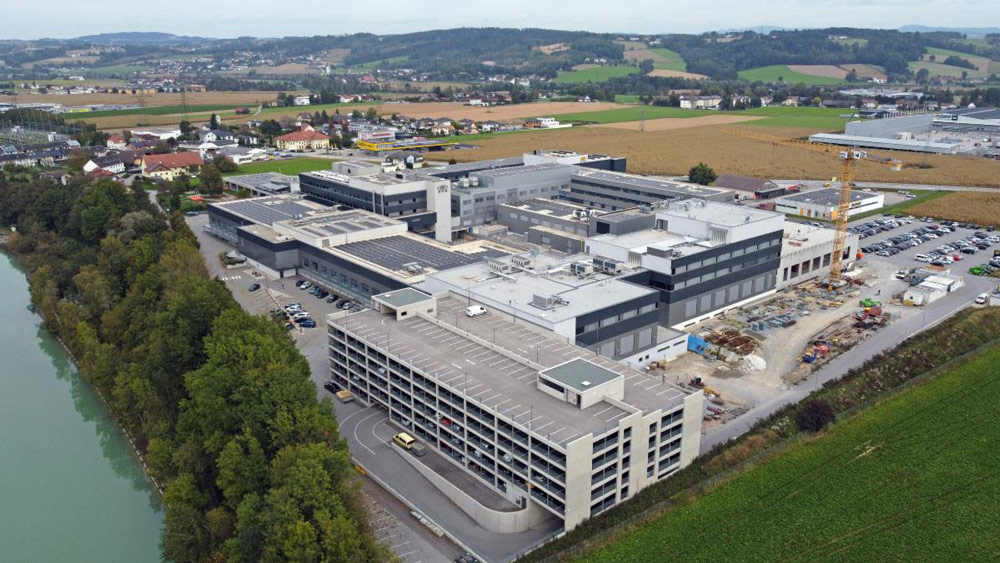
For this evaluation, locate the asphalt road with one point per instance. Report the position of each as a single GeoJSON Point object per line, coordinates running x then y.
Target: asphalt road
{"type": "Point", "coordinates": [910, 322]}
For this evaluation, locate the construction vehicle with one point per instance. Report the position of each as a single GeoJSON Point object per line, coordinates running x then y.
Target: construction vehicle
{"type": "Point", "coordinates": [850, 158]}
{"type": "Point", "coordinates": [868, 303]}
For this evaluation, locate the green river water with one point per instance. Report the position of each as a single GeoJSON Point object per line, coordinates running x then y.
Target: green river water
{"type": "Point", "coordinates": [70, 488]}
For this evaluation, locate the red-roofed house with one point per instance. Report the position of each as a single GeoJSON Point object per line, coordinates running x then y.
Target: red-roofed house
{"type": "Point", "coordinates": [303, 140]}
{"type": "Point", "coordinates": [116, 142]}
{"type": "Point", "coordinates": [169, 166]}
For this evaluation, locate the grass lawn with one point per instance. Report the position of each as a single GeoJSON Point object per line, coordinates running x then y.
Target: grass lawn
{"type": "Point", "coordinates": [595, 74]}
{"type": "Point", "coordinates": [626, 98]}
{"type": "Point", "coordinates": [127, 68]}
{"type": "Point", "coordinates": [806, 117]}
{"type": "Point", "coordinates": [774, 72]}
{"type": "Point", "coordinates": [914, 478]}
{"type": "Point", "coordinates": [622, 115]}
{"type": "Point", "coordinates": [153, 110]}
{"type": "Point", "coordinates": [922, 197]}
{"type": "Point", "coordinates": [290, 166]}
{"type": "Point", "coordinates": [674, 61]}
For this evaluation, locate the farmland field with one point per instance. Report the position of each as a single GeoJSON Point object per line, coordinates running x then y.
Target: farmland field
{"type": "Point", "coordinates": [247, 97]}
{"type": "Point", "coordinates": [982, 63]}
{"type": "Point", "coordinates": [865, 71]}
{"type": "Point", "coordinates": [965, 207]}
{"type": "Point", "coordinates": [671, 123]}
{"type": "Point", "coordinates": [941, 69]}
{"type": "Point", "coordinates": [915, 478]}
{"type": "Point", "coordinates": [828, 71]}
{"type": "Point", "coordinates": [674, 152]}
{"type": "Point", "coordinates": [289, 166]}
{"type": "Point", "coordinates": [594, 74]}
{"type": "Point", "coordinates": [774, 72]}
{"type": "Point", "coordinates": [154, 110]}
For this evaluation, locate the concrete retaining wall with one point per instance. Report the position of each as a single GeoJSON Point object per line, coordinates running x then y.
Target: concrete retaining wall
{"type": "Point", "coordinates": [493, 520]}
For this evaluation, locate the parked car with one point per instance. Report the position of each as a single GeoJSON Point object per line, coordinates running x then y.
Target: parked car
{"type": "Point", "coordinates": [982, 298]}
{"type": "Point", "coordinates": [300, 315]}
{"type": "Point", "coordinates": [332, 299]}
{"type": "Point", "coordinates": [331, 386]}
{"type": "Point", "coordinates": [307, 323]}
{"type": "Point", "coordinates": [305, 285]}
{"type": "Point", "coordinates": [253, 287]}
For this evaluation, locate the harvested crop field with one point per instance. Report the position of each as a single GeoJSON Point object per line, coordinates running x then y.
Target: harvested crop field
{"type": "Point", "coordinates": [285, 69]}
{"type": "Point", "coordinates": [864, 71]}
{"type": "Point", "coordinates": [498, 113]}
{"type": "Point", "coordinates": [829, 71]}
{"type": "Point", "coordinates": [671, 123]}
{"type": "Point", "coordinates": [982, 208]}
{"type": "Point", "coordinates": [553, 48]}
{"type": "Point", "coordinates": [675, 151]}
{"type": "Point", "coordinates": [675, 74]}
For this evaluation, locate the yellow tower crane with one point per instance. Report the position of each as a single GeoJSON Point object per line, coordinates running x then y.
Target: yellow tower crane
{"type": "Point", "coordinates": [850, 157]}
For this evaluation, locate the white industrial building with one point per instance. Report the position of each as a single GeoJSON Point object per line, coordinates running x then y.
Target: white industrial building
{"type": "Point", "coordinates": [806, 253]}
{"type": "Point", "coordinates": [556, 430]}
{"type": "Point", "coordinates": [933, 285]}
{"type": "Point", "coordinates": [824, 203]}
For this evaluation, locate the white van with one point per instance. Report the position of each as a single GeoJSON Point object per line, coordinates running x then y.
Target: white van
{"type": "Point", "coordinates": [922, 258]}
{"type": "Point", "coordinates": [475, 311]}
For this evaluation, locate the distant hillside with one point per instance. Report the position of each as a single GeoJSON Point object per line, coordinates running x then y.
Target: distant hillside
{"type": "Point", "coordinates": [139, 38]}
{"type": "Point", "coordinates": [970, 31]}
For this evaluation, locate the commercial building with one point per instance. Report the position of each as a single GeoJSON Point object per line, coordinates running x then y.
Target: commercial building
{"type": "Point", "coordinates": [559, 225]}
{"type": "Point", "coordinates": [930, 286]}
{"type": "Point", "coordinates": [548, 425]}
{"type": "Point", "coordinates": [422, 201]}
{"type": "Point", "coordinates": [355, 253]}
{"type": "Point", "coordinates": [703, 258]}
{"type": "Point", "coordinates": [824, 203]}
{"type": "Point", "coordinates": [806, 253]}
{"type": "Point", "coordinates": [263, 184]}
{"type": "Point", "coordinates": [748, 187]}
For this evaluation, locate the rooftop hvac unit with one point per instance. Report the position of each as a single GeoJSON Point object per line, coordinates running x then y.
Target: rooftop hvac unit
{"type": "Point", "coordinates": [474, 181]}
{"type": "Point", "coordinates": [413, 268]}
{"type": "Point", "coordinates": [521, 261]}
{"type": "Point", "coordinates": [580, 213]}
{"type": "Point", "coordinates": [500, 266]}
{"type": "Point", "coordinates": [607, 265]}
{"type": "Point", "coordinates": [581, 269]}
{"type": "Point", "coordinates": [547, 302]}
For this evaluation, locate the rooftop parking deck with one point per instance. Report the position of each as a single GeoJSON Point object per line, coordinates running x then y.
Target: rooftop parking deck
{"type": "Point", "coordinates": [495, 362]}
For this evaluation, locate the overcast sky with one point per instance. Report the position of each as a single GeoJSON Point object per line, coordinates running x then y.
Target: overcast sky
{"type": "Point", "coordinates": [27, 19]}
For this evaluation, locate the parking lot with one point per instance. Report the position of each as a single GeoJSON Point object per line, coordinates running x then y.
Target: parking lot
{"type": "Point", "coordinates": [914, 242]}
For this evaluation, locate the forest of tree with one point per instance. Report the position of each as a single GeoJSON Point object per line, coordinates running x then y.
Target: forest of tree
{"type": "Point", "coordinates": [219, 401]}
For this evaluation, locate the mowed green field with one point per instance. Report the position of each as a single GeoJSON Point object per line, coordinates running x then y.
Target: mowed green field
{"type": "Point", "coordinates": [672, 60]}
{"type": "Point", "coordinates": [941, 69]}
{"type": "Point", "coordinates": [622, 115]}
{"type": "Point", "coordinates": [594, 74]}
{"type": "Point", "coordinates": [916, 478]}
{"type": "Point", "coordinates": [290, 166]}
{"type": "Point", "coordinates": [774, 72]}
{"type": "Point", "coordinates": [827, 119]}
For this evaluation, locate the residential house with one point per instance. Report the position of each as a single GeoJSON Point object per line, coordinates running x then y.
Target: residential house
{"type": "Point", "coordinates": [169, 166]}
{"type": "Point", "coordinates": [402, 160]}
{"type": "Point", "coordinates": [111, 163]}
{"type": "Point", "coordinates": [116, 142]}
{"type": "Point", "coordinates": [307, 139]}
{"type": "Point", "coordinates": [442, 127]}
{"type": "Point", "coordinates": [490, 126]}
{"type": "Point", "coordinates": [302, 101]}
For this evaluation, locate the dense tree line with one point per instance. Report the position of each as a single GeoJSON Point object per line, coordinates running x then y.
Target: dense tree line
{"type": "Point", "coordinates": [219, 401]}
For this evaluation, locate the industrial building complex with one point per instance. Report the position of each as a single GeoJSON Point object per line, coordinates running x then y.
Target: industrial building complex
{"type": "Point", "coordinates": [509, 310]}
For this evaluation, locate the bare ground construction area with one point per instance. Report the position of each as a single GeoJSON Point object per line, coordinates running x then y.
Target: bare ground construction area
{"type": "Point", "coordinates": [758, 353]}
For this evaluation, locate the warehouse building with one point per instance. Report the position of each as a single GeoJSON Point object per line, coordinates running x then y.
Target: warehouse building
{"type": "Point", "coordinates": [550, 426]}
{"type": "Point", "coordinates": [891, 144]}
{"type": "Point", "coordinates": [824, 203]}
{"type": "Point", "coordinates": [806, 253]}
{"type": "Point", "coordinates": [422, 201]}
{"type": "Point", "coordinates": [703, 258]}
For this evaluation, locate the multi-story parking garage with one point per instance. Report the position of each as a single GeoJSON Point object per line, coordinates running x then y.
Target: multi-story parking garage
{"type": "Point", "coordinates": [546, 424]}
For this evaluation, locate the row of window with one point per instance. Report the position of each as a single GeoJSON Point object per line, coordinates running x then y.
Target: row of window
{"type": "Point", "coordinates": [710, 260]}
